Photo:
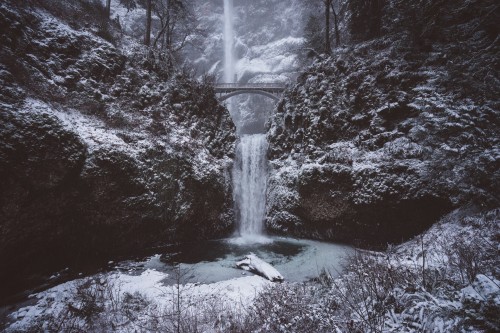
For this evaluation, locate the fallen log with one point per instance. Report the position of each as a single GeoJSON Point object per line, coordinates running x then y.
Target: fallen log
{"type": "Point", "coordinates": [258, 266]}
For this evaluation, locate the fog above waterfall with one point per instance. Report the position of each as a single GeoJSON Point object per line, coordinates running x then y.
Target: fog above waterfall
{"type": "Point", "coordinates": [267, 36]}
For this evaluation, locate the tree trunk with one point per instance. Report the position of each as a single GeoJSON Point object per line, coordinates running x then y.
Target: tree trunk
{"type": "Point", "coordinates": [327, 26]}
{"type": "Point", "coordinates": [169, 43]}
{"type": "Point", "coordinates": [336, 23]}
{"type": "Point", "coordinates": [108, 8]}
{"type": "Point", "coordinates": [147, 37]}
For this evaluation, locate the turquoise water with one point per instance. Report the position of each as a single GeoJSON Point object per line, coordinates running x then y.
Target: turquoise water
{"type": "Point", "coordinates": [212, 261]}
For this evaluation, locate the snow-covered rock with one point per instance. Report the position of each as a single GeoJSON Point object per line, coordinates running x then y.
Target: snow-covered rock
{"type": "Point", "coordinates": [382, 138]}
{"type": "Point", "coordinates": [256, 265]}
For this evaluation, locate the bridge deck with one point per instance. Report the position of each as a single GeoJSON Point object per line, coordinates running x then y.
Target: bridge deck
{"type": "Point", "coordinates": [230, 87]}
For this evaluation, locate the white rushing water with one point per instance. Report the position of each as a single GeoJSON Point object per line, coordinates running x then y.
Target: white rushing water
{"type": "Point", "coordinates": [249, 185]}
{"type": "Point", "coordinates": [250, 167]}
{"type": "Point", "coordinates": [229, 61]}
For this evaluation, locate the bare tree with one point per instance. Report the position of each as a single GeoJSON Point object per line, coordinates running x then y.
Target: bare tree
{"type": "Point", "coordinates": [147, 37]}
{"type": "Point", "coordinates": [328, 4]}
{"type": "Point", "coordinates": [178, 27]}
{"type": "Point", "coordinates": [108, 8]}
{"type": "Point", "coordinates": [336, 23]}
{"type": "Point", "coordinates": [318, 31]}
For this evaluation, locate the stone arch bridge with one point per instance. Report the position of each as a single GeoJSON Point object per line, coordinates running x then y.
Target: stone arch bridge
{"type": "Point", "coordinates": [227, 90]}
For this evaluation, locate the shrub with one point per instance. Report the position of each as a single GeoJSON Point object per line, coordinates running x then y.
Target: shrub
{"type": "Point", "coordinates": [291, 308]}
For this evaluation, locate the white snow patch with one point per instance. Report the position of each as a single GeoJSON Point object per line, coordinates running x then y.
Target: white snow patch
{"type": "Point", "coordinates": [235, 292]}
{"type": "Point", "coordinates": [254, 264]}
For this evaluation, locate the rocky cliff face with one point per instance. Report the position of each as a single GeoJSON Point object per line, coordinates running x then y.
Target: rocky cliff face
{"type": "Point", "coordinates": [100, 152]}
{"type": "Point", "coordinates": [379, 140]}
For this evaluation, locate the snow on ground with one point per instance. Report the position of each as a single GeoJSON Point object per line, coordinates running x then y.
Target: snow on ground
{"type": "Point", "coordinates": [238, 292]}
{"type": "Point", "coordinates": [149, 283]}
{"type": "Point", "coordinates": [444, 238]}
{"type": "Point", "coordinates": [205, 286]}
{"type": "Point", "coordinates": [445, 280]}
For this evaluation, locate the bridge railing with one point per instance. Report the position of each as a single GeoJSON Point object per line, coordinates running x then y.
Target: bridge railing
{"type": "Point", "coordinates": [250, 86]}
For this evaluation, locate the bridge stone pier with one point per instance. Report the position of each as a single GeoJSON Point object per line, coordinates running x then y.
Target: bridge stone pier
{"type": "Point", "coordinates": [271, 90]}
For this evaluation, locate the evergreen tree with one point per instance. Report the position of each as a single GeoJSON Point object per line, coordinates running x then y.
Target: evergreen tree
{"type": "Point", "coordinates": [313, 35]}
{"type": "Point", "coordinates": [366, 18]}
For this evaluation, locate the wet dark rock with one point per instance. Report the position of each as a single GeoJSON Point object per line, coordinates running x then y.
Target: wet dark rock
{"type": "Point", "coordinates": [99, 155]}
{"type": "Point", "coordinates": [381, 139]}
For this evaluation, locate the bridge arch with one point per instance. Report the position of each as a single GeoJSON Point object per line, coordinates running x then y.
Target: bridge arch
{"type": "Point", "coordinates": [255, 92]}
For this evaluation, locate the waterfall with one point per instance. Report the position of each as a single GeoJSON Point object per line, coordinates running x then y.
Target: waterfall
{"type": "Point", "coordinates": [250, 167]}
{"type": "Point", "coordinates": [249, 185]}
{"type": "Point", "coordinates": [229, 62]}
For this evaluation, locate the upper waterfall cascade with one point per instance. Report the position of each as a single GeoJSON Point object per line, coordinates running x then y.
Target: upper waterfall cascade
{"type": "Point", "coordinates": [229, 61]}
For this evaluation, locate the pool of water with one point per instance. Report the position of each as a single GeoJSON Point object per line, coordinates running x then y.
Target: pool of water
{"type": "Point", "coordinates": [212, 261]}
{"type": "Point", "coordinates": [207, 262]}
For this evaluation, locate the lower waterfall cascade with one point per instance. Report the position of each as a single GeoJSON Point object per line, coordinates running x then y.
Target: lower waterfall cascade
{"type": "Point", "coordinates": [249, 185]}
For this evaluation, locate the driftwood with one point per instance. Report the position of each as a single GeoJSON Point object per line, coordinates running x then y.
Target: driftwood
{"type": "Point", "coordinates": [258, 266]}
